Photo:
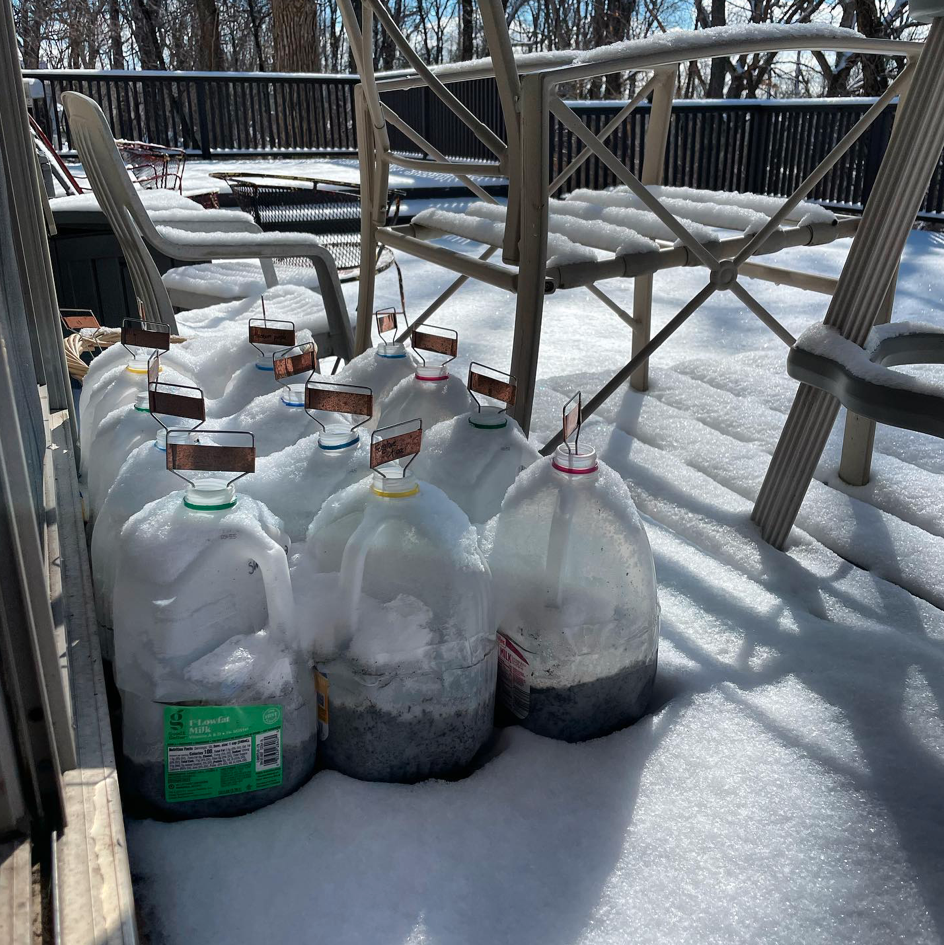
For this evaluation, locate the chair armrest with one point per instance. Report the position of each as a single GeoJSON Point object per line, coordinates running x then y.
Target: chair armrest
{"type": "Point", "coordinates": [202, 246]}
{"type": "Point", "coordinates": [205, 221]}
{"type": "Point", "coordinates": [860, 380]}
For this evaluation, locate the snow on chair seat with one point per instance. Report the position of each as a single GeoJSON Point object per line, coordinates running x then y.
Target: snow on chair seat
{"type": "Point", "coordinates": [204, 284]}
{"type": "Point", "coordinates": [588, 226]}
{"type": "Point", "coordinates": [861, 378]}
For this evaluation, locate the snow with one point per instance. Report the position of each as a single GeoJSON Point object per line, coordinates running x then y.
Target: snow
{"type": "Point", "coordinates": [474, 226]}
{"type": "Point", "coordinates": [234, 280]}
{"type": "Point", "coordinates": [826, 342]}
{"type": "Point", "coordinates": [786, 787]}
{"type": "Point", "coordinates": [679, 45]}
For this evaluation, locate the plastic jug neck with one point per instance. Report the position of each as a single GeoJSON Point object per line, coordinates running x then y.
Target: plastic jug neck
{"type": "Point", "coordinates": [210, 495]}
{"type": "Point", "coordinates": [489, 418]}
{"type": "Point", "coordinates": [575, 464]}
{"type": "Point", "coordinates": [394, 483]}
{"type": "Point", "coordinates": [160, 441]}
{"type": "Point", "coordinates": [142, 402]}
{"type": "Point", "coordinates": [337, 438]}
{"type": "Point", "coordinates": [264, 364]}
{"type": "Point", "coordinates": [432, 372]}
{"type": "Point", "coordinates": [395, 350]}
{"type": "Point", "coordinates": [294, 395]}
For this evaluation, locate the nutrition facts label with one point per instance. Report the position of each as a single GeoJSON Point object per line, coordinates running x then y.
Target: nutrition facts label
{"type": "Point", "coordinates": [514, 678]}
{"type": "Point", "coordinates": [237, 751]}
{"type": "Point", "coordinates": [217, 750]}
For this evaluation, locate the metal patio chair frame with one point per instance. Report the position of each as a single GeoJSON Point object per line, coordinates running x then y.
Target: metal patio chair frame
{"type": "Point", "coordinates": [529, 95]}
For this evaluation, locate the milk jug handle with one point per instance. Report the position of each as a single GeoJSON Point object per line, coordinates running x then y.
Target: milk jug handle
{"type": "Point", "coordinates": [273, 564]}
{"type": "Point", "coordinates": [353, 562]}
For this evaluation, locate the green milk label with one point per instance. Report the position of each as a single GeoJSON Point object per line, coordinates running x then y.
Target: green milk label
{"type": "Point", "coordinates": [218, 750]}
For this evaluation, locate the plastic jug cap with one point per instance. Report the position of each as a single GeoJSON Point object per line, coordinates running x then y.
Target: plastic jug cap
{"type": "Point", "coordinates": [138, 365]}
{"type": "Point", "coordinates": [142, 401]}
{"type": "Point", "coordinates": [432, 372]}
{"type": "Point", "coordinates": [394, 482]}
{"type": "Point", "coordinates": [293, 395]}
{"type": "Point", "coordinates": [337, 436]}
{"type": "Point", "coordinates": [393, 349]}
{"type": "Point", "coordinates": [210, 495]}
{"type": "Point", "coordinates": [160, 441]}
{"type": "Point", "coordinates": [566, 461]}
{"type": "Point", "coordinates": [489, 418]}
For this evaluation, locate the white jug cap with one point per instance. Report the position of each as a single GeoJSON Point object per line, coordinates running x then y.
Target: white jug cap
{"type": "Point", "coordinates": [293, 395]}
{"type": "Point", "coordinates": [566, 461]}
{"type": "Point", "coordinates": [337, 436]}
{"type": "Point", "coordinates": [489, 418]}
{"type": "Point", "coordinates": [138, 365]}
{"type": "Point", "coordinates": [210, 495]}
{"type": "Point", "coordinates": [142, 401]}
{"type": "Point", "coordinates": [432, 372]}
{"type": "Point", "coordinates": [394, 482]}
{"type": "Point", "coordinates": [160, 441]}
{"type": "Point", "coordinates": [394, 349]}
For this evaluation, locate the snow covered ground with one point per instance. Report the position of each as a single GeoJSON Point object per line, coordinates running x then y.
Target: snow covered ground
{"type": "Point", "coordinates": [786, 788]}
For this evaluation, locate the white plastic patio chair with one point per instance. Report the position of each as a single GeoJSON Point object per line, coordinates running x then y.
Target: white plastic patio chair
{"type": "Point", "coordinates": [177, 238]}
{"type": "Point", "coordinates": [641, 228]}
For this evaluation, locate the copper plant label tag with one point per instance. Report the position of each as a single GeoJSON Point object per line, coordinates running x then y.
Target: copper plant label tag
{"type": "Point", "coordinates": [146, 337]}
{"type": "Point", "coordinates": [395, 447]}
{"type": "Point", "coordinates": [386, 321]}
{"type": "Point", "coordinates": [493, 387]}
{"type": "Point", "coordinates": [296, 364]}
{"type": "Point", "coordinates": [154, 369]}
{"type": "Point", "coordinates": [572, 420]}
{"type": "Point", "coordinates": [339, 401]}
{"type": "Point", "coordinates": [267, 335]}
{"type": "Point", "coordinates": [439, 344]}
{"type": "Point", "coordinates": [241, 459]}
{"type": "Point", "coordinates": [177, 405]}
{"type": "Point", "coordinates": [79, 320]}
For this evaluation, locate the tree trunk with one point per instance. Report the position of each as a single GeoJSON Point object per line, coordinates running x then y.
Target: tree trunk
{"type": "Point", "coordinates": [207, 29]}
{"type": "Point", "coordinates": [874, 80]}
{"type": "Point", "coordinates": [145, 17]}
{"type": "Point", "coordinates": [719, 67]}
{"type": "Point", "coordinates": [295, 35]}
{"type": "Point", "coordinates": [466, 35]}
{"type": "Point", "coordinates": [115, 45]}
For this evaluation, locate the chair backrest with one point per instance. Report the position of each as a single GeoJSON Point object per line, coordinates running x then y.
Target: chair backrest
{"type": "Point", "coordinates": [507, 153]}
{"type": "Point", "coordinates": [116, 195]}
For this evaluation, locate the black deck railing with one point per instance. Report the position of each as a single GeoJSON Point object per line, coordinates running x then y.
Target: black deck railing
{"type": "Point", "coordinates": [765, 147]}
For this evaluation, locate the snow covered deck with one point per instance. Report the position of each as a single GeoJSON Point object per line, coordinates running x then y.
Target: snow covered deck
{"type": "Point", "coordinates": [787, 787]}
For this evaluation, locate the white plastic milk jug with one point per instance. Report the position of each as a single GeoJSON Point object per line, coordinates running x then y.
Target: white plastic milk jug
{"type": "Point", "coordinates": [406, 641]}
{"type": "Point", "coordinates": [218, 705]}
{"type": "Point", "coordinates": [575, 585]}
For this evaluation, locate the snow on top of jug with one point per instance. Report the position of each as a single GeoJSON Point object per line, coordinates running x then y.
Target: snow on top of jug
{"type": "Point", "coordinates": [164, 538]}
{"type": "Point", "coordinates": [295, 481]}
{"type": "Point", "coordinates": [430, 511]}
{"type": "Point", "coordinates": [464, 458]}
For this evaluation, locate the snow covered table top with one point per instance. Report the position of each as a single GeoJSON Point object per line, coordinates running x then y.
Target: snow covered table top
{"type": "Point", "coordinates": [787, 788]}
